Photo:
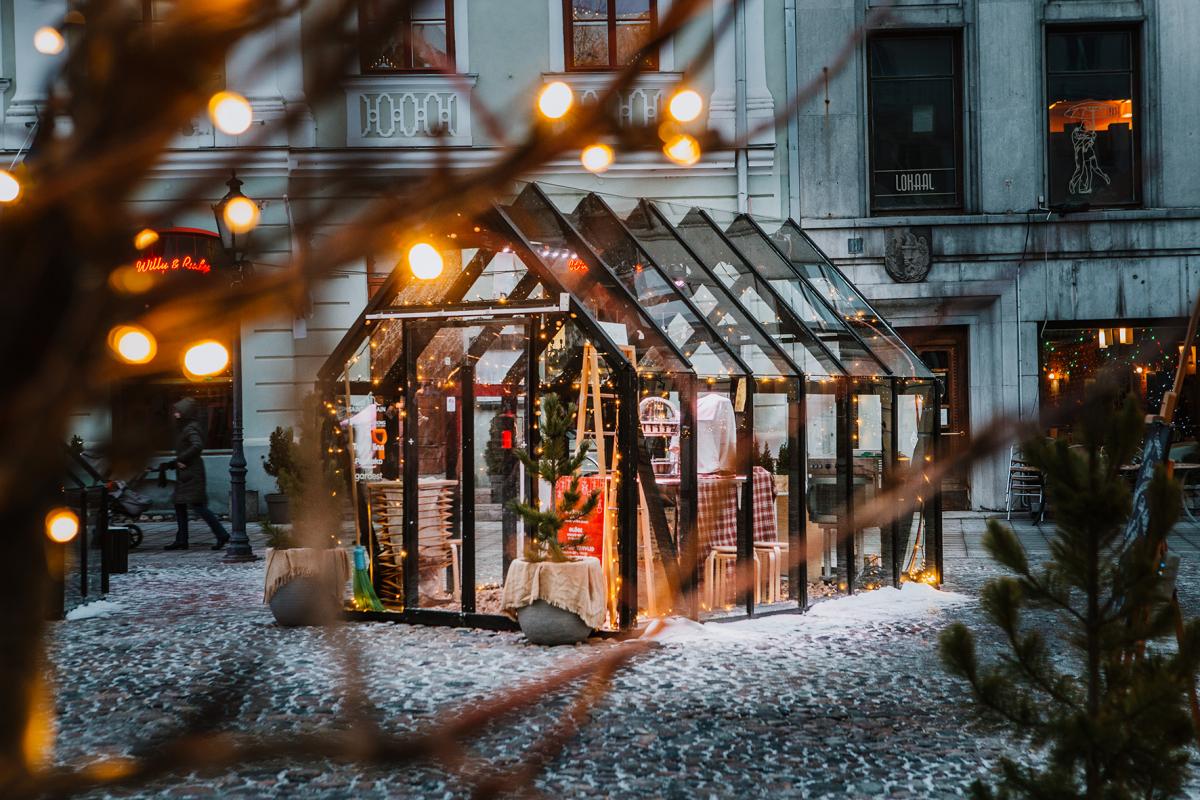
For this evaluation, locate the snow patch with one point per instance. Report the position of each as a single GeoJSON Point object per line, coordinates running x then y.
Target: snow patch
{"type": "Point", "coordinates": [912, 601]}
{"type": "Point", "coordinates": [100, 608]}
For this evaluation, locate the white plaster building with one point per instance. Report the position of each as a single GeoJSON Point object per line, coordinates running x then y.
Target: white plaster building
{"type": "Point", "coordinates": [946, 101]}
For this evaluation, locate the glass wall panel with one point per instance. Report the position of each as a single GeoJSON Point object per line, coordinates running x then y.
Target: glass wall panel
{"type": "Point", "coordinates": [825, 489]}
{"type": "Point", "coordinates": [916, 411]}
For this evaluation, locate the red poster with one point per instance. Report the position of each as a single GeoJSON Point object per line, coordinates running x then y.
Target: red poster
{"type": "Point", "coordinates": [591, 527]}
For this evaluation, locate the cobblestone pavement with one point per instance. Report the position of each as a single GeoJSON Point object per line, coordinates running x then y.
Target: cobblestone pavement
{"type": "Point", "coordinates": [846, 707]}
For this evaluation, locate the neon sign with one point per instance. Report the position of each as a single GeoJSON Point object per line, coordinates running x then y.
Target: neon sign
{"type": "Point", "coordinates": [160, 264]}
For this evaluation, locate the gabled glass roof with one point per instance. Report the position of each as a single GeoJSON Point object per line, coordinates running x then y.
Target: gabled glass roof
{"type": "Point", "coordinates": [748, 239]}
{"type": "Point", "coordinates": [689, 297]}
{"type": "Point", "coordinates": [722, 311]}
{"type": "Point", "coordinates": [760, 300]}
{"type": "Point", "coordinates": [670, 308]}
{"type": "Point", "coordinates": [848, 301]}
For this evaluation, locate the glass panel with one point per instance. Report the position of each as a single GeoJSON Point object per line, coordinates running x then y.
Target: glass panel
{"type": "Point", "coordinates": [802, 298]}
{"type": "Point", "coordinates": [705, 240]}
{"type": "Point", "coordinates": [589, 33]}
{"type": "Point", "coordinates": [914, 123]}
{"type": "Point", "coordinates": [848, 302]}
{"type": "Point", "coordinates": [661, 299]}
{"type": "Point", "coordinates": [915, 420]}
{"type": "Point", "coordinates": [631, 37]}
{"type": "Point", "coordinates": [825, 490]}
{"type": "Point", "coordinates": [429, 49]}
{"type": "Point", "coordinates": [688, 273]}
{"type": "Point", "coordinates": [874, 545]}
{"type": "Point", "coordinates": [499, 427]}
{"type": "Point", "coordinates": [777, 486]}
{"type": "Point", "coordinates": [1090, 91]}
{"type": "Point", "coordinates": [418, 40]}
{"type": "Point", "coordinates": [437, 390]}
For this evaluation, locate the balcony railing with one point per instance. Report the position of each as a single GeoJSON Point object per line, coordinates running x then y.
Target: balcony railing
{"type": "Point", "coordinates": [400, 110]}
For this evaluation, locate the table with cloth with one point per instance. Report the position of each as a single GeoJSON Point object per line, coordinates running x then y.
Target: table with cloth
{"type": "Point", "coordinates": [717, 509]}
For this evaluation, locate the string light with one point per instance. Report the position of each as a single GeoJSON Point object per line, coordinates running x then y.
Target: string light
{"type": "Point", "coordinates": [682, 149]}
{"type": "Point", "coordinates": [230, 112]}
{"type": "Point", "coordinates": [555, 100]}
{"type": "Point", "coordinates": [62, 525]}
{"type": "Point", "coordinates": [205, 358]}
{"type": "Point", "coordinates": [10, 187]}
{"type": "Point", "coordinates": [425, 261]}
{"type": "Point", "coordinates": [596, 158]}
{"type": "Point", "coordinates": [685, 105]}
{"type": "Point", "coordinates": [145, 237]}
{"type": "Point", "coordinates": [48, 41]}
{"type": "Point", "coordinates": [132, 344]}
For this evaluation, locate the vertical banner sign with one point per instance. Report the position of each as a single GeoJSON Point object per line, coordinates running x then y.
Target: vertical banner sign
{"type": "Point", "coordinates": [583, 537]}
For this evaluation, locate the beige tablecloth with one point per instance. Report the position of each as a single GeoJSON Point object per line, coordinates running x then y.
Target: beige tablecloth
{"type": "Point", "coordinates": [307, 562]}
{"type": "Point", "coordinates": [576, 586]}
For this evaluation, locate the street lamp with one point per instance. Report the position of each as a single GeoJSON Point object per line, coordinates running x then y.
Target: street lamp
{"type": "Point", "coordinates": [239, 542]}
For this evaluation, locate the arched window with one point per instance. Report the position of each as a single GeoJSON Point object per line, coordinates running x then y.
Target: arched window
{"type": "Point", "coordinates": [417, 36]}
{"type": "Point", "coordinates": [607, 34]}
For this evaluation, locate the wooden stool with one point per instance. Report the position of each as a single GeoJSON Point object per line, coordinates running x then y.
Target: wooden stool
{"type": "Point", "coordinates": [715, 567]}
{"type": "Point", "coordinates": [455, 577]}
{"type": "Point", "coordinates": [775, 554]}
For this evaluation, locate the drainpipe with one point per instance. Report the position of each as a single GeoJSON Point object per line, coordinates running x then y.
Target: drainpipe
{"type": "Point", "coordinates": [791, 79]}
{"type": "Point", "coordinates": [741, 156]}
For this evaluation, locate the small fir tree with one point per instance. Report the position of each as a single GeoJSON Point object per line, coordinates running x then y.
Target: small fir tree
{"type": "Point", "coordinates": [1101, 701]}
{"type": "Point", "coordinates": [556, 462]}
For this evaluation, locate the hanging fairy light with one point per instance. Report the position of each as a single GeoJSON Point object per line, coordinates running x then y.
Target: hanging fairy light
{"type": "Point", "coordinates": [596, 158]}
{"type": "Point", "coordinates": [62, 525]}
{"type": "Point", "coordinates": [48, 41]}
{"type": "Point", "coordinates": [685, 105]}
{"type": "Point", "coordinates": [205, 358]}
{"type": "Point", "coordinates": [10, 187]}
{"type": "Point", "coordinates": [230, 112]}
{"type": "Point", "coordinates": [132, 344]}
{"type": "Point", "coordinates": [145, 237]}
{"type": "Point", "coordinates": [683, 149]}
{"type": "Point", "coordinates": [555, 100]}
{"type": "Point", "coordinates": [425, 261]}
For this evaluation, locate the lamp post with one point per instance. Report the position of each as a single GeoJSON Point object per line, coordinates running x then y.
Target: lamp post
{"type": "Point", "coordinates": [239, 543]}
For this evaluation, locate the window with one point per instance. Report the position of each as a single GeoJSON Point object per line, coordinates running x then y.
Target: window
{"type": "Point", "coordinates": [916, 122]}
{"type": "Point", "coordinates": [417, 36]}
{"type": "Point", "coordinates": [607, 34]}
{"type": "Point", "coordinates": [1091, 90]}
{"type": "Point", "coordinates": [141, 411]}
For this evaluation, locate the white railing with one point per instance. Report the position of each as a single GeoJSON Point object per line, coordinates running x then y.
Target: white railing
{"type": "Point", "coordinates": [641, 104]}
{"type": "Point", "coordinates": [394, 111]}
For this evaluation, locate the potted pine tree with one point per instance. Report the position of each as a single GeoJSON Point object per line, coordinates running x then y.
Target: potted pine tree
{"type": "Point", "coordinates": [281, 464]}
{"type": "Point", "coordinates": [556, 598]}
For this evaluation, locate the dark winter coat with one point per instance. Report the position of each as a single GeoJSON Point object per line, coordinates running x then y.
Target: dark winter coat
{"type": "Point", "coordinates": [189, 445]}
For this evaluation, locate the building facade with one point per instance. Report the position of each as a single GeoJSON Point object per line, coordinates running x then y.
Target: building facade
{"type": "Point", "coordinates": [1010, 181]}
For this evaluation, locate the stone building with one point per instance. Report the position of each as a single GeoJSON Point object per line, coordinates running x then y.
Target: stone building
{"type": "Point", "coordinates": [1012, 181]}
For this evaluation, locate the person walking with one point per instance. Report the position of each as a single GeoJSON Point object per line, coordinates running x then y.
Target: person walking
{"type": "Point", "coordinates": [190, 489]}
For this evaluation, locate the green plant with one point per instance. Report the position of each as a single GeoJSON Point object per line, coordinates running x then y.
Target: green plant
{"type": "Point", "coordinates": [278, 537]}
{"type": "Point", "coordinates": [783, 461]}
{"type": "Point", "coordinates": [282, 461]}
{"type": "Point", "coordinates": [1101, 701]}
{"type": "Point", "coordinates": [555, 463]}
{"type": "Point", "coordinates": [762, 458]}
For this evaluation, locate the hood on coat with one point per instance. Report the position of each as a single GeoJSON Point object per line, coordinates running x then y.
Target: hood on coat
{"type": "Point", "coordinates": [188, 410]}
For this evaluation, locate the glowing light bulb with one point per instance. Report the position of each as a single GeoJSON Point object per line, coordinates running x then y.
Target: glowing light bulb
{"type": "Point", "coordinates": [555, 100]}
{"type": "Point", "coordinates": [685, 105]}
{"type": "Point", "coordinates": [48, 41]}
{"type": "Point", "coordinates": [10, 187]}
{"type": "Point", "coordinates": [596, 158]}
{"type": "Point", "coordinates": [230, 112]}
{"type": "Point", "coordinates": [241, 214]}
{"type": "Point", "coordinates": [205, 358]}
{"type": "Point", "coordinates": [683, 150]}
{"type": "Point", "coordinates": [425, 261]}
{"type": "Point", "coordinates": [132, 344]}
{"type": "Point", "coordinates": [145, 238]}
{"type": "Point", "coordinates": [62, 525]}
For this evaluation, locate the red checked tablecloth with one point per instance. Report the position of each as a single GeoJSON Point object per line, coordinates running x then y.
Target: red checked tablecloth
{"type": "Point", "coordinates": [717, 506]}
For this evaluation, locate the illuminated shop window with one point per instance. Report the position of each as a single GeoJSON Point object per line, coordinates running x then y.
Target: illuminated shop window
{"type": "Point", "coordinates": [1091, 92]}
{"type": "Point", "coordinates": [916, 121]}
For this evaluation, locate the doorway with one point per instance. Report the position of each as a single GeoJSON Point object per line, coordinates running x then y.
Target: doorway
{"type": "Point", "coordinates": [944, 350]}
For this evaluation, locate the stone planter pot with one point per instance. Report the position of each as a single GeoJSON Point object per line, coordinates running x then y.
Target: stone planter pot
{"type": "Point", "coordinates": [550, 625]}
{"type": "Point", "coordinates": [279, 511]}
{"type": "Point", "coordinates": [304, 601]}
{"type": "Point", "coordinates": [306, 586]}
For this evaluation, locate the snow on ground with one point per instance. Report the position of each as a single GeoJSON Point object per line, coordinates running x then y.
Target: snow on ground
{"type": "Point", "coordinates": [912, 601]}
{"type": "Point", "coordinates": [97, 608]}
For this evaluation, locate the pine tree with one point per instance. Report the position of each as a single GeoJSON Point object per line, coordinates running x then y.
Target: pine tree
{"type": "Point", "coordinates": [1101, 697]}
{"type": "Point", "coordinates": [555, 463]}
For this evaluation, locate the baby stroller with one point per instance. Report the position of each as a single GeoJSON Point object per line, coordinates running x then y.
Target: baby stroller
{"type": "Point", "coordinates": [124, 507]}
